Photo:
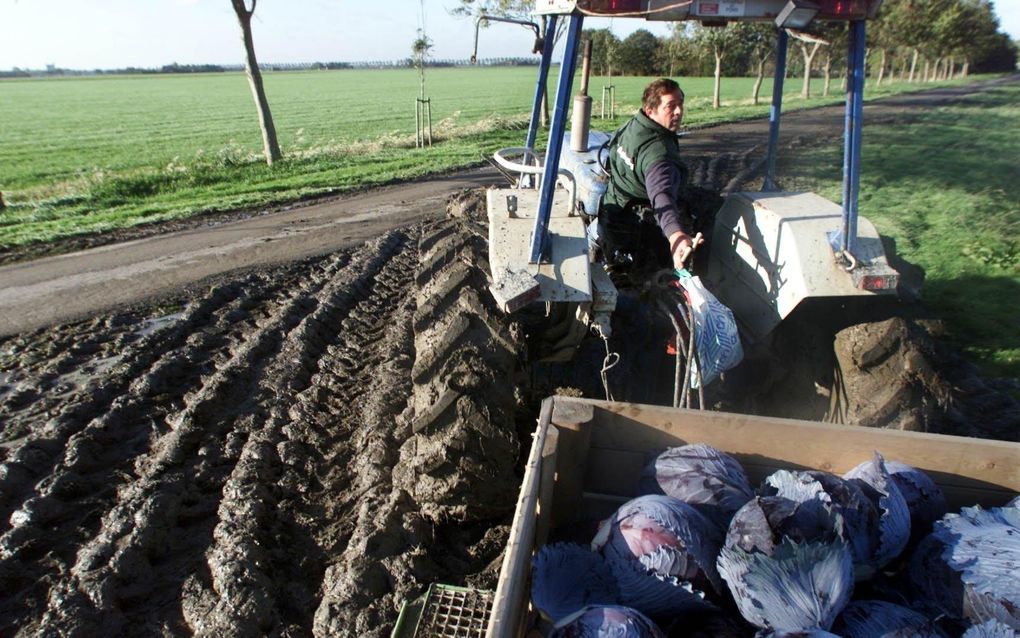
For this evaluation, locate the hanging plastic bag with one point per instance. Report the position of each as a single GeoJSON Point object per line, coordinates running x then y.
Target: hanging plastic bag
{"type": "Point", "coordinates": [715, 333]}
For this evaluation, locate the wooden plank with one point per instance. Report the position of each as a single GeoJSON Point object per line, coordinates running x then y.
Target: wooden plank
{"type": "Point", "coordinates": [546, 512]}
{"type": "Point", "coordinates": [511, 597]}
{"type": "Point", "coordinates": [572, 461]}
{"type": "Point", "coordinates": [613, 471]}
{"type": "Point", "coordinates": [976, 463]}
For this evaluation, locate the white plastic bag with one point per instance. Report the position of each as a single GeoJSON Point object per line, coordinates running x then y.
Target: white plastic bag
{"type": "Point", "coordinates": [715, 334]}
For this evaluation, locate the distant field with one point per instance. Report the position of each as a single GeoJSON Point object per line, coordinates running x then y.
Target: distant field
{"type": "Point", "coordinates": [82, 155]}
{"type": "Point", "coordinates": [55, 129]}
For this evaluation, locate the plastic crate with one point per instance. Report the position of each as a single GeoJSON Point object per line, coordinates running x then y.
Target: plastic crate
{"type": "Point", "coordinates": [445, 611]}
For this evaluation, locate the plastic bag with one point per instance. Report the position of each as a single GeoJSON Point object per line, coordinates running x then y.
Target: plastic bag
{"type": "Point", "coordinates": [715, 333]}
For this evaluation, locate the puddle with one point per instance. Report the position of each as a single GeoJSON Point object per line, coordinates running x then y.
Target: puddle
{"type": "Point", "coordinates": [154, 324]}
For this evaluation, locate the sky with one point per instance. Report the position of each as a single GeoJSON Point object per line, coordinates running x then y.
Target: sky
{"type": "Point", "coordinates": [106, 34]}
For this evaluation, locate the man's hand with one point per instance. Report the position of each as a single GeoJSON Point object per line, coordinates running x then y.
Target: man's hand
{"type": "Point", "coordinates": [681, 245]}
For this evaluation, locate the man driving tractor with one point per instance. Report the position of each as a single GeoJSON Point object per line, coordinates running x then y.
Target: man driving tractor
{"type": "Point", "coordinates": [642, 219]}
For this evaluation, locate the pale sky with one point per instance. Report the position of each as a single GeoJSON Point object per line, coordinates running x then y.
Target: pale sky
{"type": "Point", "coordinates": [88, 34]}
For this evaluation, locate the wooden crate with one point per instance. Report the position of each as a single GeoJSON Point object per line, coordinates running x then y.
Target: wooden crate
{"type": "Point", "coordinates": [587, 455]}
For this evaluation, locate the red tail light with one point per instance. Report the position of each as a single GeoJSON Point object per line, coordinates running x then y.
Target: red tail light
{"type": "Point", "coordinates": [843, 9]}
{"type": "Point", "coordinates": [613, 6]}
{"type": "Point", "coordinates": [876, 283]}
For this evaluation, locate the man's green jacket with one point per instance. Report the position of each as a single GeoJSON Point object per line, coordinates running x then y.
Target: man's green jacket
{"type": "Point", "coordinates": [636, 146]}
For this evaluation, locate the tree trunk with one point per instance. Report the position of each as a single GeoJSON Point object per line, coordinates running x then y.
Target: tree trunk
{"type": "Point", "coordinates": [924, 75]}
{"type": "Point", "coordinates": [881, 70]}
{"type": "Point", "coordinates": [805, 91]}
{"type": "Point", "coordinates": [913, 66]}
{"type": "Point", "coordinates": [758, 80]}
{"type": "Point", "coordinates": [951, 68]}
{"type": "Point", "coordinates": [827, 68]}
{"type": "Point", "coordinates": [251, 67]}
{"type": "Point", "coordinates": [965, 71]}
{"type": "Point", "coordinates": [718, 79]}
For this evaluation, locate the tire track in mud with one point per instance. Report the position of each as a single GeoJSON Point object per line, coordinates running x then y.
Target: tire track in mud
{"type": "Point", "coordinates": [269, 546]}
{"type": "Point", "coordinates": [38, 454]}
{"type": "Point", "coordinates": [99, 458]}
{"type": "Point", "coordinates": [195, 473]}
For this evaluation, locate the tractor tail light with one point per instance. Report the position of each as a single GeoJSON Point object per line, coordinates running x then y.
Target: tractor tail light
{"type": "Point", "coordinates": [611, 7]}
{"type": "Point", "coordinates": [843, 9]}
{"type": "Point", "coordinates": [878, 283]}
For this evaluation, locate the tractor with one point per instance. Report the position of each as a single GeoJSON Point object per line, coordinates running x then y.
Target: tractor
{"type": "Point", "coordinates": [772, 251]}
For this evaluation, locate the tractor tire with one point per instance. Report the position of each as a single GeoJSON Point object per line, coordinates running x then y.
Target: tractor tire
{"type": "Point", "coordinates": [885, 377]}
{"type": "Point", "coordinates": [896, 374]}
{"type": "Point", "coordinates": [459, 459]}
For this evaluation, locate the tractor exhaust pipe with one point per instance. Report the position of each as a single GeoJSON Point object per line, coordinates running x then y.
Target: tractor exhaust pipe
{"type": "Point", "coordinates": [580, 122]}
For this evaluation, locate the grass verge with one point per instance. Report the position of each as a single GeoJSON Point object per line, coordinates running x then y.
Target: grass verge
{"type": "Point", "coordinates": [945, 187]}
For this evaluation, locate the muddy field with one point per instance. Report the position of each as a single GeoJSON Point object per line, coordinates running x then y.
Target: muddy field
{"type": "Point", "coordinates": [291, 451]}
{"type": "Point", "coordinates": [296, 450]}
{"type": "Point", "coordinates": [224, 469]}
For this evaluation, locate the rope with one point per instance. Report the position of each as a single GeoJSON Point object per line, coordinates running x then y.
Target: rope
{"type": "Point", "coordinates": [606, 367]}
{"type": "Point", "coordinates": [679, 387]}
{"type": "Point", "coordinates": [673, 303]}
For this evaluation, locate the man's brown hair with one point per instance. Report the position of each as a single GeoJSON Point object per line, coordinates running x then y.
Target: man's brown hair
{"type": "Point", "coordinates": [654, 92]}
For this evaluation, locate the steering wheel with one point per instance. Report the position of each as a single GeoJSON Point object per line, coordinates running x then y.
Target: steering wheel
{"type": "Point", "coordinates": [502, 157]}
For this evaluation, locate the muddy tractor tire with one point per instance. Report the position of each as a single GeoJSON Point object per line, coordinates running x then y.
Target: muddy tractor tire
{"type": "Point", "coordinates": [459, 459]}
{"type": "Point", "coordinates": [885, 377]}
{"type": "Point", "coordinates": [896, 374]}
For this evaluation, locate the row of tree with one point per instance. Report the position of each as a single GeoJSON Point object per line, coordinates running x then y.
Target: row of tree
{"type": "Point", "coordinates": [912, 39]}
{"type": "Point", "coordinates": [946, 37]}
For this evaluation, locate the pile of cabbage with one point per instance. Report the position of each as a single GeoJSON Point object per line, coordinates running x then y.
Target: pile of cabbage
{"type": "Point", "coordinates": [869, 554]}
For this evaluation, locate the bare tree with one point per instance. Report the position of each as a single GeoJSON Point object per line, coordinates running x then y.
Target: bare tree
{"type": "Point", "coordinates": [809, 45]}
{"type": "Point", "coordinates": [717, 40]}
{"type": "Point", "coordinates": [251, 67]}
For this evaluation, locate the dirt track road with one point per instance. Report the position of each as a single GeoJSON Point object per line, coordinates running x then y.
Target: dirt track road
{"type": "Point", "coordinates": [65, 287]}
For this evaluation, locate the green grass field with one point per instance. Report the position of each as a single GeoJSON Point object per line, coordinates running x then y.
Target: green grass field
{"type": "Point", "coordinates": [945, 188]}
{"type": "Point", "coordinates": [86, 155]}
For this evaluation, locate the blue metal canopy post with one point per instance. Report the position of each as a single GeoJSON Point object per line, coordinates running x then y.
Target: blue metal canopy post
{"type": "Point", "coordinates": [543, 73]}
{"type": "Point", "coordinates": [852, 135]}
{"type": "Point", "coordinates": [769, 183]}
{"type": "Point", "coordinates": [556, 128]}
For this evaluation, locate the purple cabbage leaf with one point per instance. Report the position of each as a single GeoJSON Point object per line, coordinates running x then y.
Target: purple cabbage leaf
{"type": "Point", "coordinates": [859, 515]}
{"type": "Point", "coordinates": [699, 475]}
{"type": "Point", "coordinates": [967, 567]}
{"type": "Point", "coordinates": [924, 498]}
{"type": "Point", "coordinates": [881, 619]}
{"type": "Point", "coordinates": [606, 621]}
{"type": "Point", "coordinates": [799, 587]}
{"type": "Point", "coordinates": [662, 553]}
{"type": "Point", "coordinates": [990, 629]}
{"type": "Point", "coordinates": [566, 577]}
{"type": "Point", "coordinates": [766, 520]}
{"type": "Point", "coordinates": [876, 482]}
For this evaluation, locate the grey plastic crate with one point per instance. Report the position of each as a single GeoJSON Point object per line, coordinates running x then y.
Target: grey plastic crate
{"type": "Point", "coordinates": [445, 611]}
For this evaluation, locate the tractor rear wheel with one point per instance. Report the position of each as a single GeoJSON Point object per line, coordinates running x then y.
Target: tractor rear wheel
{"type": "Point", "coordinates": [459, 459]}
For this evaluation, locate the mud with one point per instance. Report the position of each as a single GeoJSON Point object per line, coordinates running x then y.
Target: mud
{"type": "Point", "coordinates": [224, 468]}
